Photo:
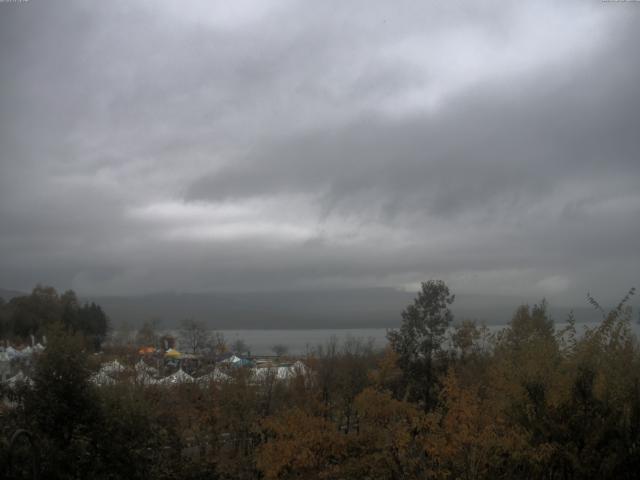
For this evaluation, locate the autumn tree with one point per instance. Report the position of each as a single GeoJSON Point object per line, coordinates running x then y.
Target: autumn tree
{"type": "Point", "coordinates": [195, 334]}
{"type": "Point", "coordinates": [300, 445]}
{"type": "Point", "coordinates": [352, 377]}
{"type": "Point", "coordinates": [390, 440]}
{"type": "Point", "coordinates": [147, 334]}
{"type": "Point", "coordinates": [469, 437]}
{"type": "Point", "coordinates": [324, 362]}
{"type": "Point", "coordinates": [465, 338]}
{"type": "Point", "coordinates": [239, 346]}
{"type": "Point", "coordinates": [238, 416]}
{"type": "Point", "coordinates": [530, 324]}
{"type": "Point", "coordinates": [220, 345]}
{"type": "Point", "coordinates": [387, 374]}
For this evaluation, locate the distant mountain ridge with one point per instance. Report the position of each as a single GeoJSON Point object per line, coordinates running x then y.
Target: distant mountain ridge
{"type": "Point", "coordinates": [318, 309]}
{"type": "Point", "coordinates": [348, 308]}
{"type": "Point", "coordinates": [7, 295]}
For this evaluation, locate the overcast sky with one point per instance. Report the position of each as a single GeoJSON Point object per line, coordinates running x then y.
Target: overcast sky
{"type": "Point", "coordinates": [251, 145]}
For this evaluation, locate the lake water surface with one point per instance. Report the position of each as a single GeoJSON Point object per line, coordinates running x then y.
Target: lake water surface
{"type": "Point", "coordinates": [299, 342]}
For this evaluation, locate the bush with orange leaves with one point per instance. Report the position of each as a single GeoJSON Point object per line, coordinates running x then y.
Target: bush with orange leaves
{"type": "Point", "coordinates": [300, 445]}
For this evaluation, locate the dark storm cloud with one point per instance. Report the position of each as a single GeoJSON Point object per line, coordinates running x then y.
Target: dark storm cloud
{"type": "Point", "coordinates": [492, 141]}
{"type": "Point", "coordinates": [265, 145]}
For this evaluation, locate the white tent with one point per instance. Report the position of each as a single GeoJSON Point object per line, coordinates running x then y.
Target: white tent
{"type": "Point", "coordinates": [19, 378]}
{"type": "Point", "coordinates": [15, 353]}
{"type": "Point", "coordinates": [112, 367]}
{"type": "Point", "coordinates": [144, 378]}
{"type": "Point", "coordinates": [282, 372]}
{"type": "Point", "coordinates": [145, 374]}
{"type": "Point", "coordinates": [261, 373]}
{"type": "Point", "coordinates": [232, 359]}
{"type": "Point", "coordinates": [142, 366]}
{"type": "Point", "coordinates": [300, 368]}
{"type": "Point", "coordinates": [279, 373]}
{"type": "Point", "coordinates": [215, 376]}
{"type": "Point", "coordinates": [101, 378]}
{"type": "Point", "coordinates": [12, 353]}
{"type": "Point", "coordinates": [179, 377]}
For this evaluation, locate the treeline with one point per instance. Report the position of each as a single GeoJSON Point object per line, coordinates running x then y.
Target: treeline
{"type": "Point", "coordinates": [530, 401]}
{"type": "Point", "coordinates": [31, 315]}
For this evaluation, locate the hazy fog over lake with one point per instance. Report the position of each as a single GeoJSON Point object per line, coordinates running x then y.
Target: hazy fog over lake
{"type": "Point", "coordinates": [278, 147]}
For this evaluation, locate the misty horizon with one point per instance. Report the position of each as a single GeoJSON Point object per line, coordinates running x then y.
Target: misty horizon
{"type": "Point", "coordinates": [311, 309]}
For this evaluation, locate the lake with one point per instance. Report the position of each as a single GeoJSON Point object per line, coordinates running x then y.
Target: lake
{"type": "Point", "coordinates": [260, 342]}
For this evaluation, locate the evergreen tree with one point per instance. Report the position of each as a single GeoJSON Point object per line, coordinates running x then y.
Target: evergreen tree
{"type": "Point", "coordinates": [420, 338]}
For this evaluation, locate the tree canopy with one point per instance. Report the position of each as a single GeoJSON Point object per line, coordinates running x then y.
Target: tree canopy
{"type": "Point", "coordinates": [33, 314]}
{"type": "Point", "coordinates": [420, 338]}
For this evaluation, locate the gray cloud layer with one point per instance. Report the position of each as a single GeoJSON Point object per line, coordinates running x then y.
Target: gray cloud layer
{"type": "Point", "coordinates": [202, 146]}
